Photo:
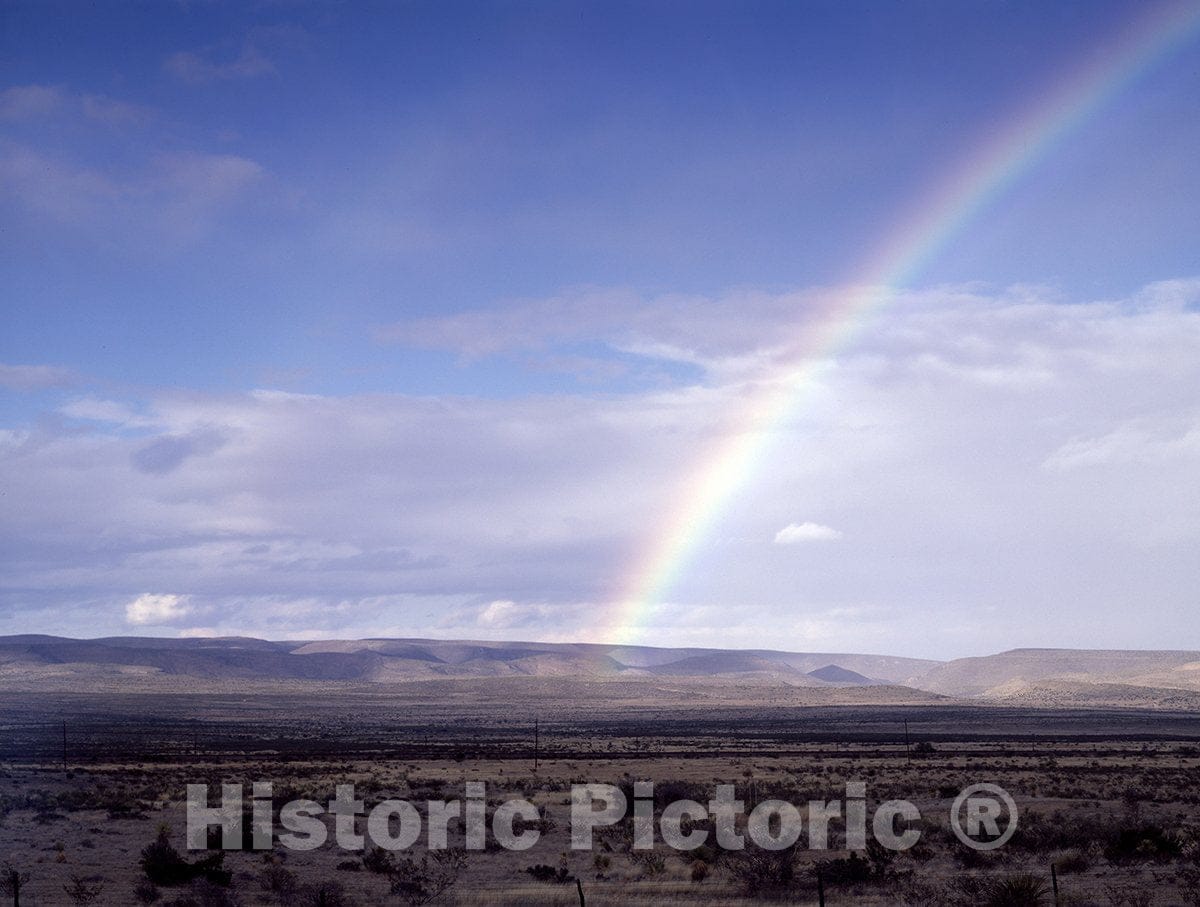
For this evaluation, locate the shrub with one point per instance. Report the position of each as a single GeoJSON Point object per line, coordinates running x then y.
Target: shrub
{"type": "Point", "coordinates": [1146, 842]}
{"type": "Point", "coordinates": [849, 871]}
{"type": "Point", "coordinates": [914, 892]}
{"type": "Point", "coordinates": [146, 892]}
{"type": "Point", "coordinates": [324, 894]}
{"type": "Point", "coordinates": [419, 882]}
{"type": "Point", "coordinates": [544, 873]}
{"type": "Point", "coordinates": [649, 862]}
{"type": "Point", "coordinates": [1128, 894]}
{"type": "Point", "coordinates": [210, 894]}
{"type": "Point", "coordinates": [970, 858]}
{"type": "Point", "coordinates": [12, 881]}
{"type": "Point", "coordinates": [164, 866]}
{"type": "Point", "coordinates": [760, 872]}
{"type": "Point", "coordinates": [378, 860]}
{"type": "Point", "coordinates": [277, 880]}
{"type": "Point", "coordinates": [162, 863]}
{"type": "Point", "coordinates": [1039, 833]}
{"type": "Point", "coordinates": [699, 871]}
{"type": "Point", "coordinates": [1072, 861]}
{"type": "Point", "coordinates": [852, 870]}
{"type": "Point", "coordinates": [1020, 890]}
{"type": "Point", "coordinates": [81, 891]}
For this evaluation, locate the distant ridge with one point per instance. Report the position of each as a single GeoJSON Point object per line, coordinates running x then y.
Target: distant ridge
{"type": "Point", "coordinates": [995, 674]}
{"type": "Point", "coordinates": [838, 674]}
{"type": "Point", "coordinates": [1051, 677]}
{"type": "Point", "coordinates": [388, 660]}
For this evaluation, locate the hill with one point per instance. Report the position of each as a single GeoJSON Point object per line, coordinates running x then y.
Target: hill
{"type": "Point", "coordinates": [983, 676]}
{"type": "Point", "coordinates": [1056, 678]}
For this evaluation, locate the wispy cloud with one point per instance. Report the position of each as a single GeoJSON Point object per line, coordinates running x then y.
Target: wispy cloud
{"type": "Point", "coordinates": [173, 197]}
{"type": "Point", "coordinates": [209, 65]}
{"type": "Point", "coordinates": [23, 102]}
{"type": "Point", "coordinates": [255, 54]}
{"type": "Point", "coordinates": [113, 112]}
{"type": "Point", "coordinates": [1138, 441]}
{"type": "Point", "coordinates": [956, 333]}
{"type": "Point", "coordinates": [734, 334]}
{"type": "Point", "coordinates": [60, 190]}
{"type": "Point", "coordinates": [33, 102]}
{"type": "Point", "coordinates": [34, 377]}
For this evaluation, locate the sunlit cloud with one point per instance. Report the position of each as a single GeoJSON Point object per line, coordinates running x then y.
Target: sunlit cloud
{"type": "Point", "coordinates": [156, 609]}
{"type": "Point", "coordinates": [797, 533]}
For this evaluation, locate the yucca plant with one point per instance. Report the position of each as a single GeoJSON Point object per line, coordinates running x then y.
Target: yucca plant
{"type": "Point", "coordinates": [1022, 890]}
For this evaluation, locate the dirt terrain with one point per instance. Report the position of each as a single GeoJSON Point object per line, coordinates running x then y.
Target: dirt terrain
{"type": "Point", "coordinates": [1107, 796]}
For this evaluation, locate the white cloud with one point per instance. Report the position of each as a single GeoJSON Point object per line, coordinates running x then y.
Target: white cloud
{"type": "Point", "coordinates": [149, 608]}
{"type": "Point", "coordinates": [795, 533]}
{"type": "Point", "coordinates": [99, 410]}
{"type": "Point", "coordinates": [498, 613]}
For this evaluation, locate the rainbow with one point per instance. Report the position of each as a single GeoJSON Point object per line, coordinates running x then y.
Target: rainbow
{"type": "Point", "coordinates": [941, 215]}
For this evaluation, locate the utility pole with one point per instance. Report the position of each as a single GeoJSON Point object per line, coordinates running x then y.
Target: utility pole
{"type": "Point", "coordinates": [64, 730]}
{"type": "Point", "coordinates": [907, 751]}
{"type": "Point", "coordinates": [535, 744]}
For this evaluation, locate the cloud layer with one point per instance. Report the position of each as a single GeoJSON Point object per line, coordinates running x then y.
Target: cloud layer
{"type": "Point", "coordinates": [1006, 468]}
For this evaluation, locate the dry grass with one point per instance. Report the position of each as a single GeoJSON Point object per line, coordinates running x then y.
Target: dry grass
{"type": "Point", "coordinates": [93, 821]}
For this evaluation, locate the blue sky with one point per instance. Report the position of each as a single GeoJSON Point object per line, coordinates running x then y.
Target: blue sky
{"type": "Point", "coordinates": [430, 303]}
